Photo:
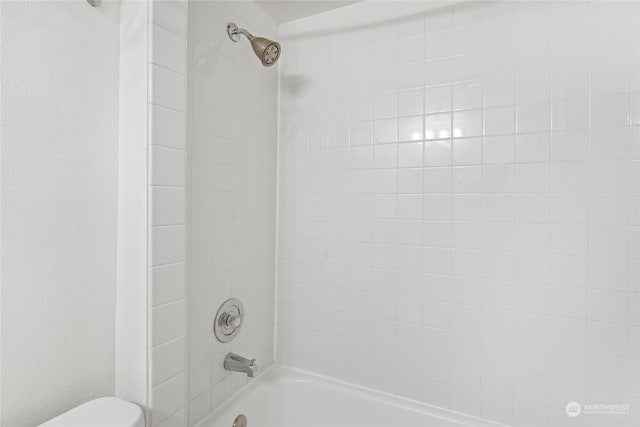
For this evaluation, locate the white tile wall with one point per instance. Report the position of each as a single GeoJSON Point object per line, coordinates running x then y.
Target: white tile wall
{"type": "Point", "coordinates": [167, 213]}
{"type": "Point", "coordinates": [459, 207]}
{"type": "Point", "coordinates": [232, 157]}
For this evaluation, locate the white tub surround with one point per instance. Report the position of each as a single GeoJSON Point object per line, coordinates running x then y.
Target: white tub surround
{"type": "Point", "coordinates": [233, 119]}
{"type": "Point", "coordinates": [459, 204]}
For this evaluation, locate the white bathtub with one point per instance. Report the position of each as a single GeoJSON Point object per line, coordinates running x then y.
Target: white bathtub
{"type": "Point", "coordinates": [285, 397]}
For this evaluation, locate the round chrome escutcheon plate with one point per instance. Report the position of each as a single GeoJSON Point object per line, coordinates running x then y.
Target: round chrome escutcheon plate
{"type": "Point", "coordinates": [229, 319]}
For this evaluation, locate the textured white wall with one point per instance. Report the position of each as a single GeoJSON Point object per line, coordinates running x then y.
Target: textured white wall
{"type": "Point", "coordinates": [59, 187]}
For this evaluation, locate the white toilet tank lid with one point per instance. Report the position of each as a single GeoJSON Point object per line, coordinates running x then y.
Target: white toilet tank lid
{"type": "Point", "coordinates": [102, 412]}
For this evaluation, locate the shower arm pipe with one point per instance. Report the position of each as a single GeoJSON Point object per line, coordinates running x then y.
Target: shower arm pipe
{"type": "Point", "coordinates": [246, 33]}
{"type": "Point", "coordinates": [234, 32]}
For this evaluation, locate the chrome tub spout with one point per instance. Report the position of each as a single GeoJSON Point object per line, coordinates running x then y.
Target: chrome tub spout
{"type": "Point", "coordinates": [237, 363]}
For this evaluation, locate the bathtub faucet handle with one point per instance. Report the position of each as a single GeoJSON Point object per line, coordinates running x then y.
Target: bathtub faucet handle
{"type": "Point", "coordinates": [231, 320]}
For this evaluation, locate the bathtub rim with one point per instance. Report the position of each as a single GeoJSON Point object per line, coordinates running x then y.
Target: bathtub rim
{"type": "Point", "coordinates": [279, 372]}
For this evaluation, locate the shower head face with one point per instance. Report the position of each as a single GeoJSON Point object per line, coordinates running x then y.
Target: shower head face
{"type": "Point", "coordinates": [271, 54]}
{"type": "Point", "coordinates": [267, 50]}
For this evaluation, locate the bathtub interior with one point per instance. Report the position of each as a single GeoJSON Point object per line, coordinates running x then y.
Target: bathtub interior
{"type": "Point", "coordinates": [287, 397]}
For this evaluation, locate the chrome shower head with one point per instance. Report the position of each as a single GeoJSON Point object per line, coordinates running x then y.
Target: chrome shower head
{"type": "Point", "coordinates": [267, 50]}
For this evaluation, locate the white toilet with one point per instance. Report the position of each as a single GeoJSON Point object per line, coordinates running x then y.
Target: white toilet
{"type": "Point", "coordinates": [102, 412]}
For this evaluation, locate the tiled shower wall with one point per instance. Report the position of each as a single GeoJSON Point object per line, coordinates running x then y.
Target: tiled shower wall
{"type": "Point", "coordinates": [233, 104]}
{"type": "Point", "coordinates": [459, 207]}
{"type": "Point", "coordinates": [167, 212]}
{"type": "Point", "coordinates": [150, 310]}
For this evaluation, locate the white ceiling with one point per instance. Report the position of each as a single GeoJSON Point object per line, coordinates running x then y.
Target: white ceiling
{"type": "Point", "coordinates": [290, 10]}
